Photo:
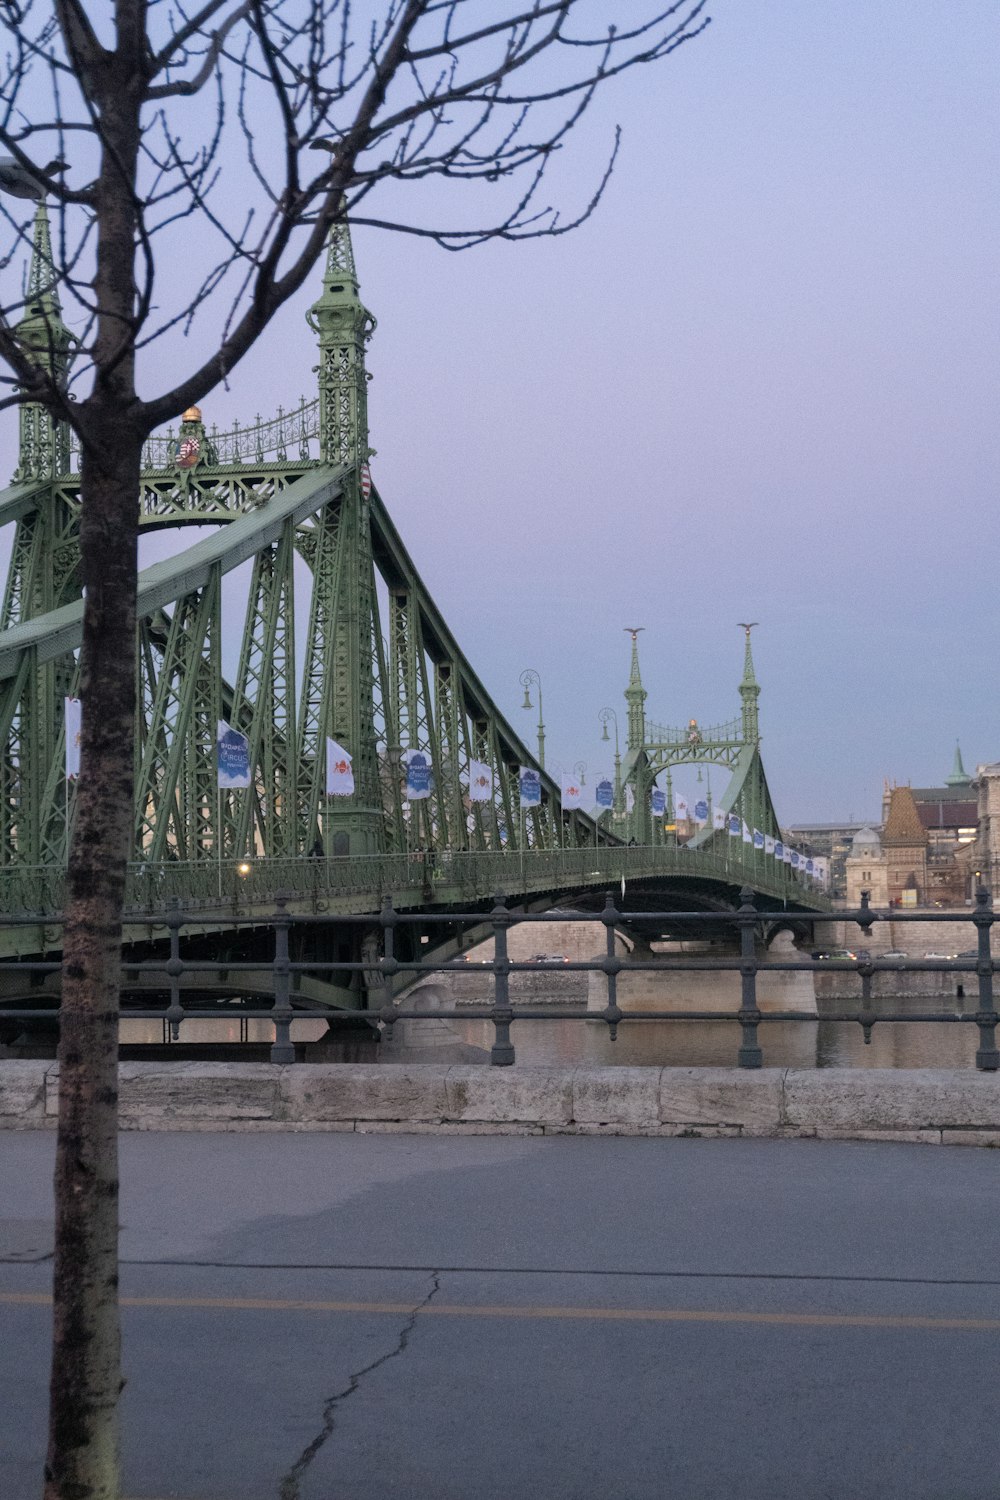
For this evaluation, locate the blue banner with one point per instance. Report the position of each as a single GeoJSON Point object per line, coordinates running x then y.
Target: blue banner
{"type": "Point", "coordinates": [659, 802]}
{"type": "Point", "coordinates": [701, 811]}
{"type": "Point", "coordinates": [758, 839]}
{"type": "Point", "coordinates": [604, 794]}
{"type": "Point", "coordinates": [418, 776]}
{"type": "Point", "coordinates": [795, 859]}
{"type": "Point", "coordinates": [232, 756]}
{"type": "Point", "coordinates": [531, 787]}
{"type": "Point", "coordinates": [734, 825]}
{"type": "Point", "coordinates": [779, 849]}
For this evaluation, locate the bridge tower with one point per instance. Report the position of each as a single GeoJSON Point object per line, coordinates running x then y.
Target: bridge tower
{"type": "Point", "coordinates": [749, 694]}
{"type": "Point", "coordinates": [338, 687]}
{"type": "Point", "coordinates": [44, 441]}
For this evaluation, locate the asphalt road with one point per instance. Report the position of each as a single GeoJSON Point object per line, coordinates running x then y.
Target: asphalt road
{"type": "Point", "coordinates": [390, 1317]}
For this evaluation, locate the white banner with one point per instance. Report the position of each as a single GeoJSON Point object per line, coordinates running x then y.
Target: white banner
{"type": "Point", "coordinates": [718, 817]}
{"type": "Point", "coordinates": [629, 800]}
{"type": "Point", "coordinates": [480, 781]}
{"type": "Point", "coordinates": [74, 721]}
{"type": "Point", "coordinates": [681, 809]}
{"type": "Point", "coordinates": [768, 843]}
{"type": "Point", "coordinates": [572, 795]}
{"type": "Point", "coordinates": [339, 776]}
{"type": "Point", "coordinates": [747, 835]}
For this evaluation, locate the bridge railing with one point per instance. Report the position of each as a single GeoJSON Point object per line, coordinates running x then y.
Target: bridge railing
{"type": "Point", "coordinates": [377, 972]}
{"type": "Point", "coordinates": [431, 877]}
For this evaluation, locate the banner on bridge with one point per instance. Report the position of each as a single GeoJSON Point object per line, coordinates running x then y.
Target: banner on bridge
{"type": "Point", "coordinates": [339, 776]}
{"type": "Point", "coordinates": [530, 783]}
{"type": "Point", "coordinates": [480, 781]}
{"type": "Point", "coordinates": [232, 756]}
{"type": "Point", "coordinates": [73, 710]}
{"type": "Point", "coordinates": [419, 779]}
{"type": "Point", "coordinates": [572, 795]}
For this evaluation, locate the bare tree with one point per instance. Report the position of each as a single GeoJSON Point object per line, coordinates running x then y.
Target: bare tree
{"type": "Point", "coordinates": [142, 113]}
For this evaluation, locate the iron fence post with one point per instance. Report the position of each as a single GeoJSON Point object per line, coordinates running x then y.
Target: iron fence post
{"type": "Point", "coordinates": [175, 968]}
{"type": "Point", "coordinates": [987, 1056]}
{"type": "Point", "coordinates": [750, 1054]}
{"type": "Point", "coordinates": [282, 1049]}
{"type": "Point", "coordinates": [611, 966]}
{"type": "Point", "coordinates": [502, 1051]}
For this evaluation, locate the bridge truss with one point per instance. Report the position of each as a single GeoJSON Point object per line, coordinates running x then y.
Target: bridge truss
{"type": "Point", "coordinates": [338, 637]}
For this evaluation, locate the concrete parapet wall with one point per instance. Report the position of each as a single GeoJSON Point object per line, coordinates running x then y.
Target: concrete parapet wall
{"type": "Point", "coordinates": [913, 938]}
{"type": "Point", "coordinates": [938, 1106]}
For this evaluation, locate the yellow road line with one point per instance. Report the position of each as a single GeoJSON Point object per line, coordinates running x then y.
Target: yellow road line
{"type": "Point", "coordinates": [573, 1314]}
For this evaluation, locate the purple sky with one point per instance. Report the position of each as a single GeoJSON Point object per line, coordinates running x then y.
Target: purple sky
{"type": "Point", "coordinates": [759, 384]}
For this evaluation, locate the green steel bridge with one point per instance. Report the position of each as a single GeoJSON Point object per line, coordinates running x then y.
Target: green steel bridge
{"type": "Point", "coordinates": [339, 638]}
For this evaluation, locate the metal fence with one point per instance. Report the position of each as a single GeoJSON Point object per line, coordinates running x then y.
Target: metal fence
{"type": "Point", "coordinates": [385, 972]}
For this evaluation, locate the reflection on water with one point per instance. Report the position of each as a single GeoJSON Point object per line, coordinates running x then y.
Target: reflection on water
{"type": "Point", "coordinates": [785, 1044]}
{"type": "Point", "coordinates": [698, 1044]}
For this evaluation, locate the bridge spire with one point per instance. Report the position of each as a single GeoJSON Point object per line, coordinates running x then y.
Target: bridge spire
{"type": "Point", "coordinates": [44, 442]}
{"type": "Point", "coordinates": [344, 327]}
{"type": "Point", "coordinates": [749, 689]}
{"type": "Point", "coordinates": [635, 695]}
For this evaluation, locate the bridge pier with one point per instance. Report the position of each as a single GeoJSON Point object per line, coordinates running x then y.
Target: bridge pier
{"type": "Point", "coordinates": [668, 990]}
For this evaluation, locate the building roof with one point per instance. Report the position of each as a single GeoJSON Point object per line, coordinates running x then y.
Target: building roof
{"type": "Point", "coordinates": [943, 793]}
{"type": "Point", "coordinates": [903, 826]}
{"type": "Point", "coordinates": [866, 842]}
{"type": "Point", "coordinates": [948, 812]}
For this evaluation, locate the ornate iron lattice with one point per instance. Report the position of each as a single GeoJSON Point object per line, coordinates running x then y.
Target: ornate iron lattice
{"type": "Point", "coordinates": [335, 636]}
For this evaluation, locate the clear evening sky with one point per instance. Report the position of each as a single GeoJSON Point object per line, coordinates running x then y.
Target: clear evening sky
{"type": "Point", "coordinates": [758, 385]}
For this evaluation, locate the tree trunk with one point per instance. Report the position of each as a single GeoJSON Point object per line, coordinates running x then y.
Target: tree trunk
{"type": "Point", "coordinates": [86, 1382]}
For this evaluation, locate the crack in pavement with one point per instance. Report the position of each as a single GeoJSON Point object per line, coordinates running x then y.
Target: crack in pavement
{"type": "Point", "coordinates": [289, 1489]}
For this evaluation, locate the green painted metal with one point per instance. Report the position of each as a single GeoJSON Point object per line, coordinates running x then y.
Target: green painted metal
{"type": "Point", "coordinates": [656, 749]}
{"type": "Point", "coordinates": [337, 638]}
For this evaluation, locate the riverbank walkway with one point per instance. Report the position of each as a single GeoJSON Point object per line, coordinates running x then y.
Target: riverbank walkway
{"type": "Point", "coordinates": [343, 1316]}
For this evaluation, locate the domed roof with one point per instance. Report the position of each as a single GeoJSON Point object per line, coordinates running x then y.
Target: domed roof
{"type": "Point", "coordinates": [866, 841]}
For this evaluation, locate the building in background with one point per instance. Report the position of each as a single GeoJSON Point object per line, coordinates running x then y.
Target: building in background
{"type": "Point", "coordinates": [928, 848]}
{"type": "Point", "coordinates": [865, 869]}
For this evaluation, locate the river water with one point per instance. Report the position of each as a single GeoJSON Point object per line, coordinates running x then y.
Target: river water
{"type": "Point", "coordinates": [786, 1044]}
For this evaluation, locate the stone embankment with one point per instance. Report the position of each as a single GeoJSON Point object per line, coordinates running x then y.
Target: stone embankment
{"type": "Point", "coordinates": [934, 1106]}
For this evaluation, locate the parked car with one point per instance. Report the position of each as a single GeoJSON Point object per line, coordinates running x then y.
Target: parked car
{"type": "Point", "coordinates": [940, 955]}
{"type": "Point", "coordinates": [549, 958]}
{"type": "Point", "coordinates": [894, 953]}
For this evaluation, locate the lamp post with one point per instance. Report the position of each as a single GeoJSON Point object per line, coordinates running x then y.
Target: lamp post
{"type": "Point", "coordinates": [604, 715]}
{"type": "Point", "coordinates": [529, 678]}
{"type": "Point", "coordinates": [579, 768]}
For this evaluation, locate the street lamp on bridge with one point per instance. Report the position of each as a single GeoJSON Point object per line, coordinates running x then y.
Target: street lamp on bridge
{"type": "Point", "coordinates": [529, 678]}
